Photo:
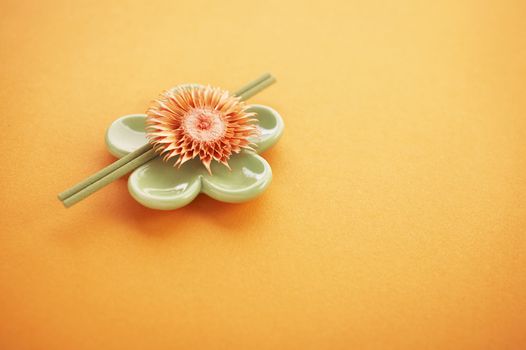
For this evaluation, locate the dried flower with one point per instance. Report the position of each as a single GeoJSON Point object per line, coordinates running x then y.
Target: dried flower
{"type": "Point", "coordinates": [197, 121]}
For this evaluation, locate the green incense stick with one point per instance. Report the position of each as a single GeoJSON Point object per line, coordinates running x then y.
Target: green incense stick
{"type": "Point", "coordinates": [253, 84]}
{"type": "Point", "coordinates": [140, 156]}
{"type": "Point", "coordinates": [257, 88]}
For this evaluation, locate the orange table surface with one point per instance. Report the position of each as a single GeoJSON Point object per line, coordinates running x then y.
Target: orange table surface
{"type": "Point", "coordinates": [395, 219]}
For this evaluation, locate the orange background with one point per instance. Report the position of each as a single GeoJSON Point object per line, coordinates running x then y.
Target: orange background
{"type": "Point", "coordinates": [395, 220]}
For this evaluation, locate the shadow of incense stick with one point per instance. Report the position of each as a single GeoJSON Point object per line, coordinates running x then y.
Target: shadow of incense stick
{"type": "Point", "coordinates": [140, 156]}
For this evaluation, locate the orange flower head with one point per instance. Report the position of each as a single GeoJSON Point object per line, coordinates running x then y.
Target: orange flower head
{"type": "Point", "coordinates": [197, 121]}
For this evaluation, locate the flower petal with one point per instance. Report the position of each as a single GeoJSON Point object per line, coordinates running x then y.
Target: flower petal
{"type": "Point", "coordinates": [126, 134]}
{"type": "Point", "coordinates": [249, 177]}
{"type": "Point", "coordinates": [158, 185]}
{"type": "Point", "coordinates": [270, 126]}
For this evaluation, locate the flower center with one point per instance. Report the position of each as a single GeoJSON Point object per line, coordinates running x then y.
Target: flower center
{"type": "Point", "coordinates": [204, 124]}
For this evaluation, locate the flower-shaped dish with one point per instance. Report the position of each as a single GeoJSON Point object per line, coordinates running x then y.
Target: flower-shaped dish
{"type": "Point", "coordinates": [159, 185]}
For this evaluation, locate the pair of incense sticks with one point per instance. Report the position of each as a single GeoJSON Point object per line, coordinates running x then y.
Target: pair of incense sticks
{"type": "Point", "coordinates": [140, 156]}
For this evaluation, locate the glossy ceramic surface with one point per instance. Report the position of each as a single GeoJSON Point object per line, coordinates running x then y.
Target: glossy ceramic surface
{"type": "Point", "coordinates": [159, 185]}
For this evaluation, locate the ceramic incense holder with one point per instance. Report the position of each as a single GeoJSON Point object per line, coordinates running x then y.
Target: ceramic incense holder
{"type": "Point", "coordinates": [159, 185]}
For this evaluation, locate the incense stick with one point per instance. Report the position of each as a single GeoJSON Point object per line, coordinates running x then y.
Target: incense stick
{"type": "Point", "coordinates": [253, 84]}
{"type": "Point", "coordinates": [257, 88]}
{"type": "Point", "coordinates": [140, 156]}
{"type": "Point", "coordinates": [127, 158]}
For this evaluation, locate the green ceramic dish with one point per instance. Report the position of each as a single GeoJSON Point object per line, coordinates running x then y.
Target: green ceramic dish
{"type": "Point", "coordinates": [158, 185]}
